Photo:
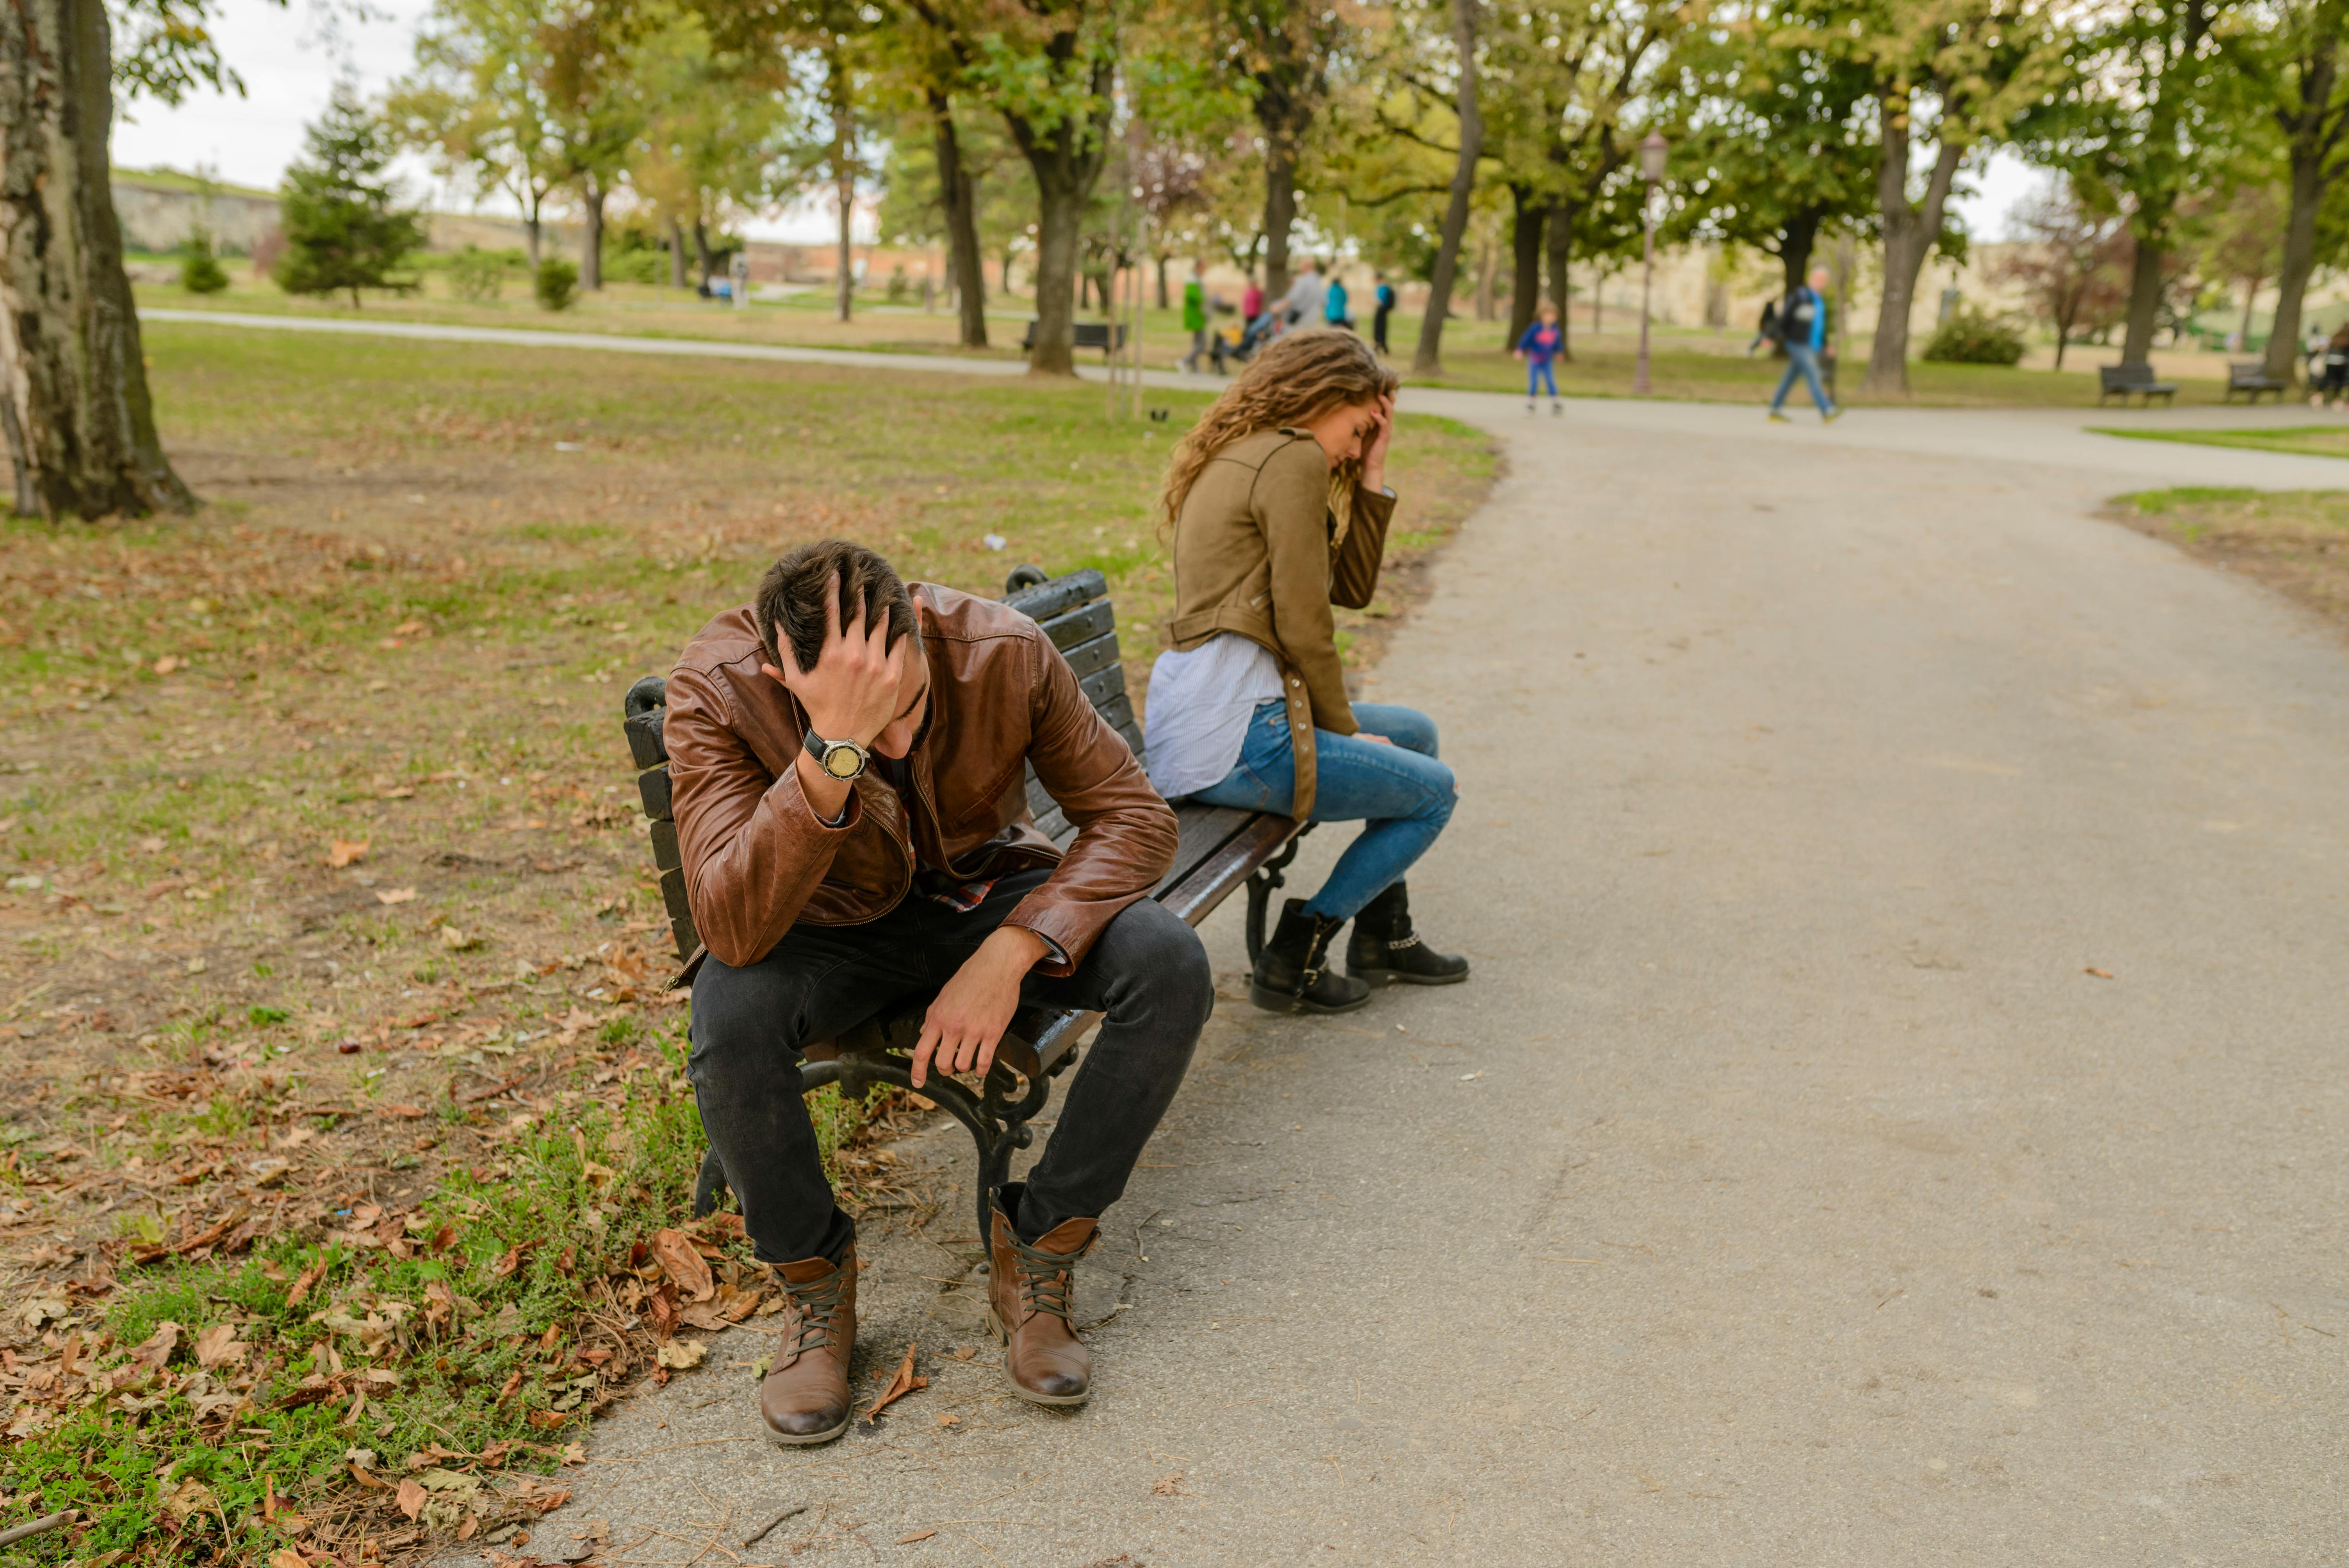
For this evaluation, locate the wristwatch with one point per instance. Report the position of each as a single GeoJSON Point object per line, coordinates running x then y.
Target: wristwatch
{"type": "Point", "coordinates": [843, 760]}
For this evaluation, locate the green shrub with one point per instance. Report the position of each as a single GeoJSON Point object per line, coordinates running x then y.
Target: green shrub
{"type": "Point", "coordinates": [475, 274]}
{"type": "Point", "coordinates": [1973, 337]}
{"type": "Point", "coordinates": [636, 266]}
{"type": "Point", "coordinates": [200, 270]}
{"type": "Point", "coordinates": [557, 283]}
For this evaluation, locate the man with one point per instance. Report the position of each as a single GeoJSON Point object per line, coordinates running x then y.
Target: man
{"type": "Point", "coordinates": [1195, 316]}
{"type": "Point", "coordinates": [1803, 325]}
{"type": "Point", "coordinates": [1302, 304]}
{"type": "Point", "coordinates": [1386, 299]}
{"type": "Point", "coordinates": [845, 762]}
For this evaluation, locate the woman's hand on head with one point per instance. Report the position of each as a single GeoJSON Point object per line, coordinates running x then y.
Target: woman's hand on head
{"type": "Point", "coordinates": [1374, 449]}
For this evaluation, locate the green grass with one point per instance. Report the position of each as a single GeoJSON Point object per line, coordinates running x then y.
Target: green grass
{"type": "Point", "coordinates": [2312, 440]}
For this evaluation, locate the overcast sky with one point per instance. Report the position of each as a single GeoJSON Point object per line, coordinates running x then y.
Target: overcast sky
{"type": "Point", "coordinates": [289, 63]}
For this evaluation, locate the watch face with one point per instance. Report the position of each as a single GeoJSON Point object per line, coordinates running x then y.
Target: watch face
{"type": "Point", "coordinates": [842, 761]}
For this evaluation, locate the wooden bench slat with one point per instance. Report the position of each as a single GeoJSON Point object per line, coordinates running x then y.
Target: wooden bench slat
{"type": "Point", "coordinates": [1104, 687]}
{"type": "Point", "coordinates": [1200, 831]}
{"type": "Point", "coordinates": [664, 852]}
{"type": "Point", "coordinates": [652, 788]}
{"type": "Point", "coordinates": [1060, 595]}
{"type": "Point", "coordinates": [1099, 654]}
{"type": "Point", "coordinates": [1216, 878]}
{"type": "Point", "coordinates": [1082, 624]}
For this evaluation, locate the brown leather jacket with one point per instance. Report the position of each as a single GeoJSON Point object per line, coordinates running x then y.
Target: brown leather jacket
{"type": "Point", "coordinates": [1254, 553]}
{"type": "Point", "coordinates": [757, 859]}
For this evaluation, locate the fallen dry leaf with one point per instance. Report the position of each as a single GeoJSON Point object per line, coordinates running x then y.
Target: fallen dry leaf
{"type": "Point", "coordinates": [1171, 1486]}
{"type": "Point", "coordinates": [946, 1419]}
{"type": "Point", "coordinates": [681, 1355]}
{"type": "Point", "coordinates": [964, 1352]}
{"type": "Point", "coordinates": [682, 1265]}
{"type": "Point", "coordinates": [918, 1535]}
{"type": "Point", "coordinates": [303, 1283]}
{"type": "Point", "coordinates": [157, 1348]}
{"type": "Point", "coordinates": [412, 1499]}
{"type": "Point", "coordinates": [218, 1347]}
{"type": "Point", "coordinates": [347, 852]}
{"type": "Point", "coordinates": [168, 663]}
{"type": "Point", "coordinates": [2099, 974]}
{"type": "Point", "coordinates": [286, 1557]}
{"type": "Point", "coordinates": [903, 1384]}
{"type": "Point", "coordinates": [454, 940]}
{"type": "Point", "coordinates": [395, 894]}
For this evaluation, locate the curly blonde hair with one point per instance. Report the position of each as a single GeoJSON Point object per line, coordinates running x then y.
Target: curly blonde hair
{"type": "Point", "coordinates": [1294, 381]}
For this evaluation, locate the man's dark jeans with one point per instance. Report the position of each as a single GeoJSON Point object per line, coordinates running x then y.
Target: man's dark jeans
{"type": "Point", "coordinates": [1146, 974]}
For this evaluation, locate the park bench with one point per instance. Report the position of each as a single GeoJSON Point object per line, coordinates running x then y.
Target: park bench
{"type": "Point", "coordinates": [2132, 375]}
{"type": "Point", "coordinates": [1219, 850]}
{"type": "Point", "coordinates": [2251, 377]}
{"type": "Point", "coordinates": [1104, 335]}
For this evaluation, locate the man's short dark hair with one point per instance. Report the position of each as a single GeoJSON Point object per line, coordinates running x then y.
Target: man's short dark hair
{"type": "Point", "coordinates": [789, 607]}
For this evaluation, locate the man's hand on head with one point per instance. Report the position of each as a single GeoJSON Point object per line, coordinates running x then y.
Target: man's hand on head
{"type": "Point", "coordinates": [850, 692]}
{"type": "Point", "coordinates": [965, 1023]}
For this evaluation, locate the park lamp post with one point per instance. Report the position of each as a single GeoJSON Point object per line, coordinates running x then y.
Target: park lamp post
{"type": "Point", "coordinates": [1651, 169]}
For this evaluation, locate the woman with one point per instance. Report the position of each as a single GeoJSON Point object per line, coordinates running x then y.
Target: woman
{"type": "Point", "coordinates": [1278, 502]}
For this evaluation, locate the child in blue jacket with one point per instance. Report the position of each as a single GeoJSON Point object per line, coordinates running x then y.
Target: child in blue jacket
{"type": "Point", "coordinates": [1539, 349]}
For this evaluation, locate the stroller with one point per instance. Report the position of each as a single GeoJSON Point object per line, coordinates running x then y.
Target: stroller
{"type": "Point", "coordinates": [1239, 345]}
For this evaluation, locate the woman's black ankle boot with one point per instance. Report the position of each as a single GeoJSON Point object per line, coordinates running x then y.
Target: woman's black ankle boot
{"type": "Point", "coordinates": [1292, 974]}
{"type": "Point", "coordinates": [1385, 951]}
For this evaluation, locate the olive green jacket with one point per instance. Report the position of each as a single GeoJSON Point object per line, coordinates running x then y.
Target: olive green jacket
{"type": "Point", "coordinates": [1257, 552]}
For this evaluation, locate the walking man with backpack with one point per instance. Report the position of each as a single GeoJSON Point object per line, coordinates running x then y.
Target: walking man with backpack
{"type": "Point", "coordinates": [1803, 325]}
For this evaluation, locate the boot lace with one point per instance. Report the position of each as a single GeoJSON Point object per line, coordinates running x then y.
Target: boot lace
{"type": "Point", "coordinates": [812, 1305]}
{"type": "Point", "coordinates": [1046, 1279]}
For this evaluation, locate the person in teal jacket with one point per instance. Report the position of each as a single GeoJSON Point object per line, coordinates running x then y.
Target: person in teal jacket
{"type": "Point", "coordinates": [1333, 303]}
{"type": "Point", "coordinates": [1804, 325]}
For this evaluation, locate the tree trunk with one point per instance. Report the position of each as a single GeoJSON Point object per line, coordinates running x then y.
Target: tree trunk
{"type": "Point", "coordinates": [1279, 211]}
{"type": "Point", "coordinates": [701, 256]}
{"type": "Point", "coordinates": [73, 375]}
{"type": "Point", "coordinates": [532, 233]}
{"type": "Point", "coordinates": [591, 238]}
{"type": "Point", "coordinates": [1909, 234]}
{"type": "Point", "coordinates": [1489, 272]}
{"type": "Point", "coordinates": [1526, 219]}
{"type": "Point", "coordinates": [1060, 212]}
{"type": "Point", "coordinates": [2251, 302]}
{"type": "Point", "coordinates": [675, 252]}
{"type": "Point", "coordinates": [838, 91]}
{"type": "Point", "coordinates": [1795, 242]}
{"type": "Point", "coordinates": [2299, 252]}
{"type": "Point", "coordinates": [962, 223]}
{"type": "Point", "coordinates": [1429, 360]}
{"type": "Point", "coordinates": [2144, 301]}
{"type": "Point", "coordinates": [1162, 284]}
{"type": "Point", "coordinates": [1066, 157]}
{"type": "Point", "coordinates": [1561, 287]}
{"type": "Point", "coordinates": [844, 293]}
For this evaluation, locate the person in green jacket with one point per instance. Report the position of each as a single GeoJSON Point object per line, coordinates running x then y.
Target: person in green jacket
{"type": "Point", "coordinates": [1195, 315]}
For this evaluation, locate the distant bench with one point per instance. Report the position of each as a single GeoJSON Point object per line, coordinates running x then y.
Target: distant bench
{"type": "Point", "coordinates": [1104, 335]}
{"type": "Point", "coordinates": [2251, 377]}
{"type": "Point", "coordinates": [2132, 375]}
{"type": "Point", "coordinates": [1218, 850]}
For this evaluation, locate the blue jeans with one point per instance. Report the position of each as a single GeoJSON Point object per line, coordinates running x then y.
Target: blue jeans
{"type": "Point", "coordinates": [1802, 360]}
{"type": "Point", "coordinates": [1401, 792]}
{"type": "Point", "coordinates": [1537, 372]}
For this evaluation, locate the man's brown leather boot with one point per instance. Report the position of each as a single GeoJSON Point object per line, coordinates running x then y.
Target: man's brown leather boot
{"type": "Point", "coordinates": [805, 1395]}
{"type": "Point", "coordinates": [1028, 1291]}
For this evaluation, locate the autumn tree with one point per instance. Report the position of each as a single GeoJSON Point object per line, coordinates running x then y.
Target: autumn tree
{"type": "Point", "coordinates": [2073, 263]}
{"type": "Point", "coordinates": [2145, 125]}
{"type": "Point", "coordinates": [2289, 55]}
{"type": "Point", "coordinates": [1281, 52]}
{"type": "Point", "coordinates": [1774, 136]}
{"type": "Point", "coordinates": [1948, 75]}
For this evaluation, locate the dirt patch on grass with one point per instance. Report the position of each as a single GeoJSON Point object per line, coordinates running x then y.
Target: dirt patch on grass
{"type": "Point", "coordinates": [2294, 542]}
{"type": "Point", "coordinates": [330, 950]}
